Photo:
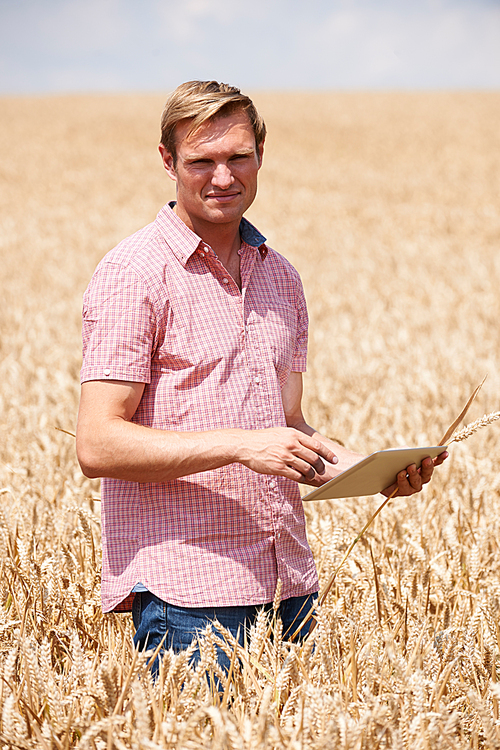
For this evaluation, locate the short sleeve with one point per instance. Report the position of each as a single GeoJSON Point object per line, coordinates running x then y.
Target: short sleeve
{"type": "Point", "coordinates": [119, 328]}
{"type": "Point", "coordinates": [299, 363]}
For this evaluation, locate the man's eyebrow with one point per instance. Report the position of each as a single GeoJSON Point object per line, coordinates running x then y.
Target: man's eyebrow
{"type": "Point", "coordinates": [203, 157]}
{"type": "Point", "coordinates": [196, 157]}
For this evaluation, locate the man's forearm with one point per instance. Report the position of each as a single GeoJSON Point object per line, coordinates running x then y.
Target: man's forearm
{"type": "Point", "coordinates": [109, 444]}
{"type": "Point", "coordinates": [125, 450]}
{"type": "Point", "coordinates": [120, 449]}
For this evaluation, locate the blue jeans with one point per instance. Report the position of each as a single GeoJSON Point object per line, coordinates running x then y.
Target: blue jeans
{"type": "Point", "coordinates": [155, 620]}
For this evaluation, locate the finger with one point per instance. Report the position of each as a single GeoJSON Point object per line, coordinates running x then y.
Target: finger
{"type": "Point", "coordinates": [290, 473]}
{"type": "Point", "coordinates": [315, 481]}
{"type": "Point", "coordinates": [441, 458]}
{"type": "Point", "coordinates": [414, 477]}
{"type": "Point", "coordinates": [318, 466]}
{"type": "Point", "coordinates": [308, 470]}
{"type": "Point", "coordinates": [318, 448]}
{"type": "Point", "coordinates": [426, 470]}
{"type": "Point", "coordinates": [308, 456]}
{"type": "Point", "coordinates": [310, 477]}
{"type": "Point", "coordinates": [404, 485]}
{"type": "Point", "coordinates": [327, 454]}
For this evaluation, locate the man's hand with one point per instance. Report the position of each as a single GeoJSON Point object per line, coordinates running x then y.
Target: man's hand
{"type": "Point", "coordinates": [411, 480]}
{"type": "Point", "coordinates": [286, 452]}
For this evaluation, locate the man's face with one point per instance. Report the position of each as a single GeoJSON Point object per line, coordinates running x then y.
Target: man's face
{"type": "Point", "coordinates": [216, 170]}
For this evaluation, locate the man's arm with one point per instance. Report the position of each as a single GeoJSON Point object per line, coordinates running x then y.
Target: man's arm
{"type": "Point", "coordinates": [408, 482]}
{"type": "Point", "coordinates": [110, 445]}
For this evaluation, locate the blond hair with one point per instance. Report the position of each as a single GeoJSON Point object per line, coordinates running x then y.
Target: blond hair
{"type": "Point", "coordinates": [201, 101]}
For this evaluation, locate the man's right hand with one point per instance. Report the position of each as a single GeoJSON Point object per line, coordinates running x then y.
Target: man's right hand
{"type": "Point", "coordinates": [286, 452]}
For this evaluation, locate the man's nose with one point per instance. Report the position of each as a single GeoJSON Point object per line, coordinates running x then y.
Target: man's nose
{"type": "Point", "coordinates": [222, 176]}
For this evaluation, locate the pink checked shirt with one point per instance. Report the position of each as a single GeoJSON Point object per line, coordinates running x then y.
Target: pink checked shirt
{"type": "Point", "coordinates": [162, 310]}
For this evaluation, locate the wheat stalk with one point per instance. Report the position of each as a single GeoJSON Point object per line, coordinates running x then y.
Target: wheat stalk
{"type": "Point", "coordinates": [451, 429]}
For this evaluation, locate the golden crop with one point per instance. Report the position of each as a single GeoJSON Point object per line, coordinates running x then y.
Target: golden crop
{"type": "Point", "coordinates": [388, 204]}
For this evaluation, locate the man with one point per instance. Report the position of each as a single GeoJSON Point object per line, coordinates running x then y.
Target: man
{"type": "Point", "coordinates": [195, 335]}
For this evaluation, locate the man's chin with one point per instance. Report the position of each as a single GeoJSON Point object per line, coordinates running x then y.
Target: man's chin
{"type": "Point", "coordinates": [223, 213]}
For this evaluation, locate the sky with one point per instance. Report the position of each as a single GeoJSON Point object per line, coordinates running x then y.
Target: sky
{"type": "Point", "coordinates": [65, 46]}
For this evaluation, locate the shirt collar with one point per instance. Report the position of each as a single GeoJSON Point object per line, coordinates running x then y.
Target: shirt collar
{"type": "Point", "coordinates": [183, 242]}
{"type": "Point", "coordinates": [253, 237]}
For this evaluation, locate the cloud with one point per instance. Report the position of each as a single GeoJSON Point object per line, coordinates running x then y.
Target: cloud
{"type": "Point", "coordinates": [54, 45]}
{"type": "Point", "coordinates": [59, 27]}
{"type": "Point", "coordinates": [421, 44]}
{"type": "Point", "coordinates": [186, 21]}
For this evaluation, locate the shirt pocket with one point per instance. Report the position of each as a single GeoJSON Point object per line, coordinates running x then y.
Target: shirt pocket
{"type": "Point", "coordinates": [278, 329]}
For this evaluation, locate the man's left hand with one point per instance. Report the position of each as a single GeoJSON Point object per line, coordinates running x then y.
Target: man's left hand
{"type": "Point", "coordinates": [411, 480]}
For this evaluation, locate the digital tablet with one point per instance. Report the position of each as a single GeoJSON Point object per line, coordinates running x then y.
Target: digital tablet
{"type": "Point", "coordinates": [373, 473]}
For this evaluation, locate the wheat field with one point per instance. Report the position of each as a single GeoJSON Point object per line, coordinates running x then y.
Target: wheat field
{"type": "Point", "coordinates": [388, 205]}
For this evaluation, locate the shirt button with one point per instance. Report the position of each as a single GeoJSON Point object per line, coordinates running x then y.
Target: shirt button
{"type": "Point", "coordinates": [107, 372]}
{"type": "Point", "coordinates": [272, 484]}
{"type": "Point", "coordinates": [225, 281]}
{"type": "Point", "coordinates": [257, 380]}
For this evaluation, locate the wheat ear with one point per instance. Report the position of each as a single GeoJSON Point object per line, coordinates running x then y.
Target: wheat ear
{"type": "Point", "coordinates": [473, 427]}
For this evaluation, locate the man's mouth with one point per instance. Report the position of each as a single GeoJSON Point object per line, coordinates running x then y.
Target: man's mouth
{"type": "Point", "coordinates": [223, 197]}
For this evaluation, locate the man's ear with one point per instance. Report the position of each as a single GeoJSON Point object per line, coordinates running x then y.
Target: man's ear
{"type": "Point", "coordinates": [260, 152]}
{"type": "Point", "coordinates": [168, 162]}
